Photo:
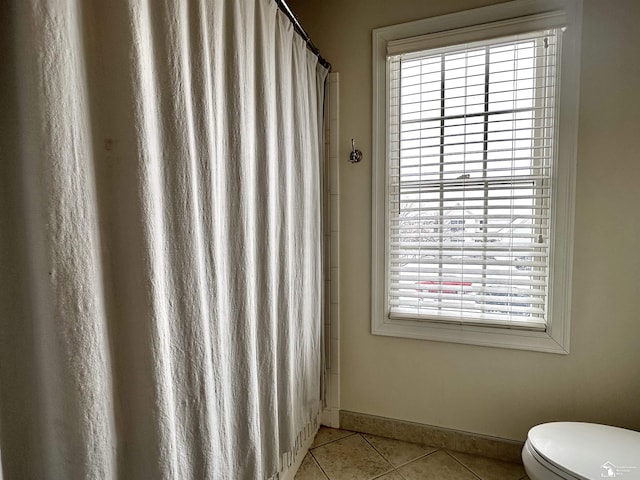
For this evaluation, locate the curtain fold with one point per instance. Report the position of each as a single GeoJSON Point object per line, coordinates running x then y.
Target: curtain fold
{"type": "Point", "coordinates": [162, 296]}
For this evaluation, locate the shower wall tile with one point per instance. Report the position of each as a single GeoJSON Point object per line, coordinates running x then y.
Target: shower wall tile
{"type": "Point", "coordinates": [334, 241]}
{"type": "Point", "coordinates": [333, 206]}
{"type": "Point", "coordinates": [334, 126]}
{"type": "Point", "coordinates": [332, 260]}
{"type": "Point", "coordinates": [335, 252]}
{"type": "Point", "coordinates": [327, 298]}
{"type": "Point", "coordinates": [335, 357]}
{"type": "Point", "coordinates": [335, 389]}
{"type": "Point", "coordinates": [333, 137]}
{"type": "Point", "coordinates": [335, 290]}
{"type": "Point", "coordinates": [335, 317]}
{"type": "Point", "coordinates": [333, 176]}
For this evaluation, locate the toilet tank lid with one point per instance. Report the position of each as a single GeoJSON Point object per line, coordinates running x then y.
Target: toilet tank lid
{"type": "Point", "coordinates": [589, 450]}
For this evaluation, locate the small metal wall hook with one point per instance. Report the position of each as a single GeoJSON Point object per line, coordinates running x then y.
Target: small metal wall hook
{"type": "Point", "coordinates": [356, 155]}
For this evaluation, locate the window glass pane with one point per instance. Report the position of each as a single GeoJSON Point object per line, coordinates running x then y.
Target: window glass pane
{"type": "Point", "coordinates": [469, 192]}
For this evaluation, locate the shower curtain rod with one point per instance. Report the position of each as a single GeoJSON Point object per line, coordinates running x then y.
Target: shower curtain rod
{"type": "Point", "coordinates": [282, 5]}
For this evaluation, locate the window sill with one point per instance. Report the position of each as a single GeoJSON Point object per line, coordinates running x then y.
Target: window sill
{"type": "Point", "coordinates": [471, 335]}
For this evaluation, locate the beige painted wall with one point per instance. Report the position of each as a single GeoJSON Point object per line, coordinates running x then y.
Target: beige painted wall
{"type": "Point", "coordinates": [489, 390]}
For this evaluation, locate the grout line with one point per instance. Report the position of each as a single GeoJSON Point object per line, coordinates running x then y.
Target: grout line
{"type": "Point", "coordinates": [383, 474]}
{"type": "Point", "coordinates": [319, 466]}
{"type": "Point", "coordinates": [377, 451]}
{"type": "Point", "coordinates": [396, 467]}
{"type": "Point", "coordinates": [397, 470]}
{"type": "Point", "coordinates": [419, 458]}
{"type": "Point", "coordinates": [400, 475]}
{"type": "Point", "coordinates": [351, 434]}
{"type": "Point", "coordinates": [453, 452]}
{"type": "Point", "coordinates": [393, 467]}
{"type": "Point", "coordinates": [386, 473]}
{"type": "Point", "coordinates": [472, 472]}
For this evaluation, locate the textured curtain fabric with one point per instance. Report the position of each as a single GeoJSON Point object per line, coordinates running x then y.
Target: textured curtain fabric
{"type": "Point", "coordinates": [160, 234]}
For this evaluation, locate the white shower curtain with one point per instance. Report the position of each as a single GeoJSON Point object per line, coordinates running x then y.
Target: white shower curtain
{"type": "Point", "coordinates": [160, 239]}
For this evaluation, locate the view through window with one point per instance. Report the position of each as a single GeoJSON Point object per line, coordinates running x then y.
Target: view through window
{"type": "Point", "coordinates": [471, 152]}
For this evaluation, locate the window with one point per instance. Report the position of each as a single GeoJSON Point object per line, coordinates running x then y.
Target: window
{"type": "Point", "coordinates": [475, 164]}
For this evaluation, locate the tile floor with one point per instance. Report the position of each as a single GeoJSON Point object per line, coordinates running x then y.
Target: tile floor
{"type": "Point", "coordinates": [344, 455]}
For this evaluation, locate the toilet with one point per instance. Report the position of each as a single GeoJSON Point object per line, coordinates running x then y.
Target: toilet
{"type": "Point", "coordinates": [585, 451]}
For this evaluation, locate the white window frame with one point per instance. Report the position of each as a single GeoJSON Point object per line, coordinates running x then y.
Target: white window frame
{"type": "Point", "coordinates": [475, 25]}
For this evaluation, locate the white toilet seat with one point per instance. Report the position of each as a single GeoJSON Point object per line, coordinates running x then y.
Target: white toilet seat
{"type": "Point", "coordinates": [538, 468]}
{"type": "Point", "coordinates": [581, 451]}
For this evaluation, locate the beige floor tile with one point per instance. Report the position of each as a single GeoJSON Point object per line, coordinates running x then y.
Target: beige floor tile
{"type": "Point", "coordinates": [326, 435]}
{"type": "Point", "coordinates": [437, 466]}
{"type": "Point", "coordinates": [350, 458]}
{"type": "Point", "coordinates": [390, 476]}
{"type": "Point", "coordinates": [309, 470]}
{"type": "Point", "coordinates": [397, 452]}
{"type": "Point", "coordinates": [489, 469]}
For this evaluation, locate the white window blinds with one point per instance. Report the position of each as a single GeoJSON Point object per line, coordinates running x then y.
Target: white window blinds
{"type": "Point", "coordinates": [470, 159]}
